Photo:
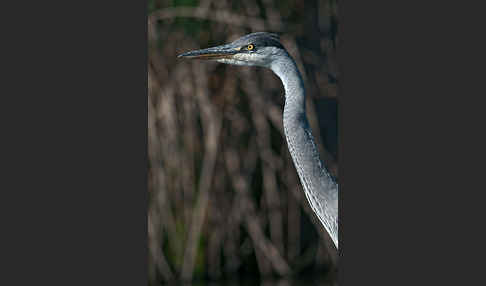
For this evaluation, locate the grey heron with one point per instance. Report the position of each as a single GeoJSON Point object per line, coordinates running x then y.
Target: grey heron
{"type": "Point", "coordinates": [265, 50]}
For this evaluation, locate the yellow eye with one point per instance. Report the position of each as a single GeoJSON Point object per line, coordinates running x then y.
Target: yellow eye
{"type": "Point", "coordinates": [250, 47]}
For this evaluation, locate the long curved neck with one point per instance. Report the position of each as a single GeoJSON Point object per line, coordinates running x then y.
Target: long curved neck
{"type": "Point", "coordinates": [319, 187]}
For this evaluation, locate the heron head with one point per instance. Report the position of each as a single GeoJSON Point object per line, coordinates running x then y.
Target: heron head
{"type": "Point", "coordinates": [256, 49]}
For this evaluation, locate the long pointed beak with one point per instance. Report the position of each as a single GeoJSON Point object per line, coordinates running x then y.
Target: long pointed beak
{"type": "Point", "coordinates": [214, 53]}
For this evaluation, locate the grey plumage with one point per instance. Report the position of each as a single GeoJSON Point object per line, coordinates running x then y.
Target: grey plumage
{"type": "Point", "coordinates": [264, 49]}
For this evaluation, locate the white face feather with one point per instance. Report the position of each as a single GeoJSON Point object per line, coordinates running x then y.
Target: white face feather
{"type": "Point", "coordinates": [261, 57]}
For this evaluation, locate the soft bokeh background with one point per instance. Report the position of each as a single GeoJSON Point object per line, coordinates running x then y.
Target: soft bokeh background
{"type": "Point", "coordinates": [225, 202]}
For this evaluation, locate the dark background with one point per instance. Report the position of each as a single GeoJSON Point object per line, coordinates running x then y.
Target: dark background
{"type": "Point", "coordinates": [225, 201]}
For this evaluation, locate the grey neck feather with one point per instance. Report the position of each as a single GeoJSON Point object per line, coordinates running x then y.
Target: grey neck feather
{"type": "Point", "coordinates": [319, 187]}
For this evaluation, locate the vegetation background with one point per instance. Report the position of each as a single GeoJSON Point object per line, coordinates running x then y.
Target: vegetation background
{"type": "Point", "coordinates": [225, 202]}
